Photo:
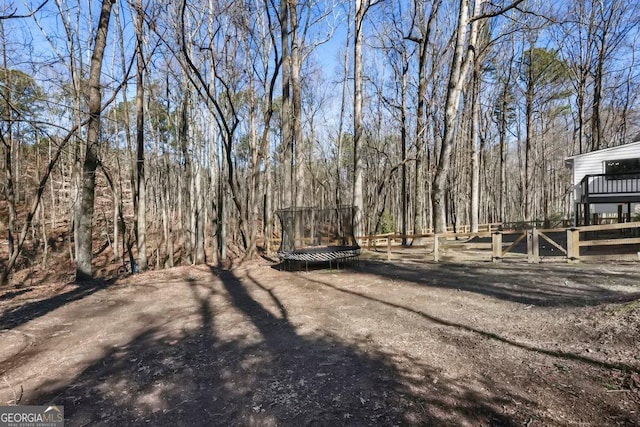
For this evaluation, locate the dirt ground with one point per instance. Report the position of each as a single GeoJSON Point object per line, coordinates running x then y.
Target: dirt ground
{"type": "Point", "coordinates": [378, 344]}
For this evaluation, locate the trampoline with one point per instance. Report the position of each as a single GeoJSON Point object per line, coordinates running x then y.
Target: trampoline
{"type": "Point", "coordinates": [317, 235]}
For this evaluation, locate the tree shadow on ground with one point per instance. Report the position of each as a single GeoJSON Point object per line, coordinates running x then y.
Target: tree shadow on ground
{"type": "Point", "coordinates": [477, 331]}
{"type": "Point", "coordinates": [530, 284]}
{"type": "Point", "coordinates": [12, 294]}
{"type": "Point", "coordinates": [271, 376]}
{"type": "Point", "coordinates": [23, 313]}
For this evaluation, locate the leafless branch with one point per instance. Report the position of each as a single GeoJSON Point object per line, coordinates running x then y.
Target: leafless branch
{"type": "Point", "coordinates": [16, 398]}
{"type": "Point", "coordinates": [14, 15]}
{"type": "Point", "coordinates": [496, 12]}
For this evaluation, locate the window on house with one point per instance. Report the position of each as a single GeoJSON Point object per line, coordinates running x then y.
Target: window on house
{"type": "Point", "coordinates": [622, 169]}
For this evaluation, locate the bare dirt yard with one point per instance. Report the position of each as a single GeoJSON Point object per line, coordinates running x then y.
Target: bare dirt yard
{"type": "Point", "coordinates": [377, 344]}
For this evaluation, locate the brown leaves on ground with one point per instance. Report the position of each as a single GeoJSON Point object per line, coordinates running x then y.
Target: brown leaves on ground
{"type": "Point", "coordinates": [380, 344]}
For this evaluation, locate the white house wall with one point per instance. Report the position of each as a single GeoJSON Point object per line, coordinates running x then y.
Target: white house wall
{"type": "Point", "coordinates": [593, 163]}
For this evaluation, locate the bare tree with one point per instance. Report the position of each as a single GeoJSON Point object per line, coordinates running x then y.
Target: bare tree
{"type": "Point", "coordinates": [463, 56]}
{"type": "Point", "coordinates": [91, 161]}
{"type": "Point", "coordinates": [141, 229]}
{"type": "Point", "coordinates": [423, 30]}
{"type": "Point", "coordinates": [361, 8]}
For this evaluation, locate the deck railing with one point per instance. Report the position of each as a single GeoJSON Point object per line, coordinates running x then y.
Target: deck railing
{"type": "Point", "coordinates": [605, 184]}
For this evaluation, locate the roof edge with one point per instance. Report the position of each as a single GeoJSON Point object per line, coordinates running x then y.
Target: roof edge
{"type": "Point", "coordinates": [602, 150]}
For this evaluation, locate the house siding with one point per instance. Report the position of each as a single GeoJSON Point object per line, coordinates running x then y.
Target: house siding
{"type": "Point", "coordinates": [593, 163]}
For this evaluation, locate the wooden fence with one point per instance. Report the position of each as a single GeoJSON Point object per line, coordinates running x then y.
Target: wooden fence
{"type": "Point", "coordinates": [564, 241]}
{"type": "Point", "coordinates": [371, 241]}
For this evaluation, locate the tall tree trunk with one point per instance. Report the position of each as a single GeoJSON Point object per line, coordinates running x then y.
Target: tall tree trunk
{"type": "Point", "coordinates": [116, 227]}
{"type": "Point", "coordinates": [255, 177]}
{"type": "Point", "coordinates": [403, 141]}
{"type": "Point", "coordinates": [425, 28]}
{"type": "Point", "coordinates": [529, 97]}
{"type": "Point", "coordinates": [268, 204]}
{"type": "Point", "coordinates": [596, 127]}
{"type": "Point", "coordinates": [287, 134]}
{"type": "Point", "coordinates": [8, 145]}
{"type": "Point", "coordinates": [199, 256]}
{"type": "Point", "coordinates": [213, 195]}
{"type": "Point", "coordinates": [475, 158]}
{"type": "Point", "coordinates": [296, 95]}
{"type": "Point", "coordinates": [142, 186]}
{"type": "Point", "coordinates": [185, 190]}
{"type": "Point", "coordinates": [358, 166]}
{"type": "Point", "coordinates": [580, 101]}
{"type": "Point", "coordinates": [222, 210]}
{"type": "Point", "coordinates": [85, 220]}
{"type": "Point", "coordinates": [457, 74]}
{"type": "Point", "coordinates": [9, 195]}
{"type": "Point", "coordinates": [503, 126]}
{"type": "Point", "coordinates": [339, 143]}
{"type": "Point", "coordinates": [168, 211]}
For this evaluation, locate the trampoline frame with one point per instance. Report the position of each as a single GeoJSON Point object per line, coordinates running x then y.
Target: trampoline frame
{"type": "Point", "coordinates": [333, 224]}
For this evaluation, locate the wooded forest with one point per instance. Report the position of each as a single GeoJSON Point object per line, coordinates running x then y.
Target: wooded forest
{"type": "Point", "coordinates": [172, 130]}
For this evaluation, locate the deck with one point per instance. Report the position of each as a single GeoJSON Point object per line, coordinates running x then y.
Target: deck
{"type": "Point", "coordinates": [621, 189]}
{"type": "Point", "coordinates": [609, 188]}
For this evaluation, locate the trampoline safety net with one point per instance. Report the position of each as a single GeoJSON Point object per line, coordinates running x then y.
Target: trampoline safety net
{"type": "Point", "coordinates": [317, 234]}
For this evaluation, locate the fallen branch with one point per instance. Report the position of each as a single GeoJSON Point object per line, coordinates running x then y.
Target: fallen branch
{"type": "Point", "coordinates": [16, 398]}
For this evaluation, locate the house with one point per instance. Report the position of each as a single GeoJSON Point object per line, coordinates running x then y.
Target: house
{"type": "Point", "coordinates": [606, 181]}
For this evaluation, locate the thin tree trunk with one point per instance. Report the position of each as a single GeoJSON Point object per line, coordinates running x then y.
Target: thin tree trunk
{"type": "Point", "coordinates": [85, 226]}
{"type": "Point", "coordinates": [502, 125]}
{"type": "Point", "coordinates": [403, 143]}
{"type": "Point", "coordinates": [8, 145]}
{"type": "Point", "coordinates": [296, 95]}
{"type": "Point", "coordinates": [287, 135]}
{"type": "Point", "coordinates": [596, 127]}
{"type": "Point", "coordinates": [421, 119]}
{"type": "Point", "coordinates": [339, 144]}
{"type": "Point", "coordinates": [268, 204]}
{"type": "Point", "coordinates": [458, 71]}
{"type": "Point", "coordinates": [142, 186]}
{"type": "Point", "coordinates": [529, 97]}
{"type": "Point", "coordinates": [199, 216]}
{"type": "Point", "coordinates": [222, 211]}
{"type": "Point", "coordinates": [358, 166]}
{"type": "Point", "coordinates": [167, 217]}
{"type": "Point", "coordinates": [475, 159]}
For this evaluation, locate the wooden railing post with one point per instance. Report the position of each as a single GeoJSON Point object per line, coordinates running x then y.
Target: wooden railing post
{"type": "Point", "coordinates": [533, 246]}
{"type": "Point", "coordinates": [388, 248]}
{"type": "Point", "coordinates": [436, 248]}
{"type": "Point", "coordinates": [496, 246]}
{"type": "Point", "coordinates": [573, 244]}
